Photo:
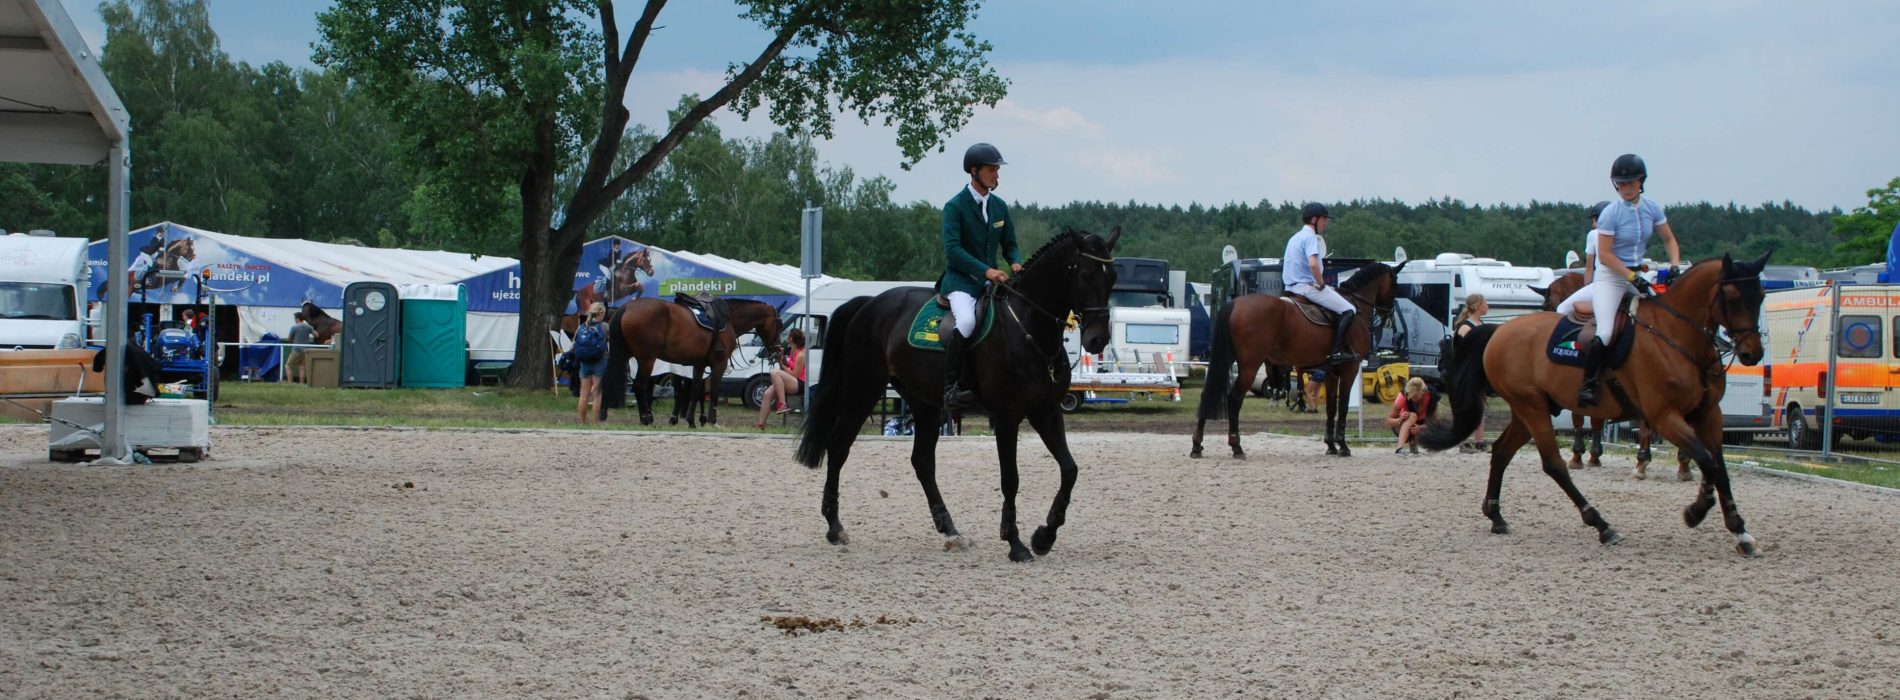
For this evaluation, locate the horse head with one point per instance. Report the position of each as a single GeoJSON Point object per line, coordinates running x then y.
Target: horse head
{"type": "Point", "coordinates": [1376, 285]}
{"type": "Point", "coordinates": [1090, 263]}
{"type": "Point", "coordinates": [1739, 298]}
{"type": "Point", "coordinates": [183, 249]}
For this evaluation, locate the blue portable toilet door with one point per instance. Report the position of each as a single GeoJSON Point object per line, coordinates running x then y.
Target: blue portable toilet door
{"type": "Point", "coordinates": [372, 335]}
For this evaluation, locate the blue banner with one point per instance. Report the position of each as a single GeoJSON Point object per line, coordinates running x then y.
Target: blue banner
{"type": "Point", "coordinates": [238, 277]}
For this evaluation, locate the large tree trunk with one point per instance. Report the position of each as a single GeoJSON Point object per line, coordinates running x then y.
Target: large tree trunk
{"type": "Point", "coordinates": [549, 257]}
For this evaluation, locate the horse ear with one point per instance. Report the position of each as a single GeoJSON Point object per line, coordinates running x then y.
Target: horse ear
{"type": "Point", "coordinates": [1113, 236]}
{"type": "Point", "coordinates": [1541, 291]}
{"type": "Point", "coordinates": [1400, 266]}
{"type": "Point", "coordinates": [1762, 262]}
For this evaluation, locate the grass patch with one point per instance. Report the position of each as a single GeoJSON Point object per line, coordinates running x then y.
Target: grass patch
{"type": "Point", "coordinates": [1859, 471]}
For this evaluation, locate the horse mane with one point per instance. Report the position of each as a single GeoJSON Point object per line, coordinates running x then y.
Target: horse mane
{"type": "Point", "coordinates": [1066, 234]}
{"type": "Point", "coordinates": [1360, 278]}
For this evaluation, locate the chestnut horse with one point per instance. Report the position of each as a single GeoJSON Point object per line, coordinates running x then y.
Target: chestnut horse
{"type": "Point", "coordinates": [325, 325]}
{"type": "Point", "coordinates": [1020, 370]}
{"type": "Point", "coordinates": [1261, 329]}
{"type": "Point", "coordinates": [655, 329]}
{"type": "Point", "coordinates": [1673, 378]}
{"type": "Point", "coordinates": [1558, 291]}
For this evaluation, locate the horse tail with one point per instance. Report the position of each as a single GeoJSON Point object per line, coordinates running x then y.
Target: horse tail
{"type": "Point", "coordinates": [1465, 379]}
{"type": "Point", "coordinates": [1220, 364]}
{"type": "Point", "coordinates": [823, 413]}
{"type": "Point", "coordinates": [617, 355]}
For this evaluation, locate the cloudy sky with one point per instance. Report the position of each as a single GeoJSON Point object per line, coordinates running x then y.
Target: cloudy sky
{"type": "Point", "coordinates": [1741, 101]}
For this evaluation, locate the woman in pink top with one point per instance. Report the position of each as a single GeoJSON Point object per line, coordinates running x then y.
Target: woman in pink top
{"type": "Point", "coordinates": [785, 383]}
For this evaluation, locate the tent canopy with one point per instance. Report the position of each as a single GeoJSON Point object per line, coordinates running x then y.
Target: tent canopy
{"type": "Point", "coordinates": [55, 103]}
{"type": "Point", "coordinates": [278, 272]}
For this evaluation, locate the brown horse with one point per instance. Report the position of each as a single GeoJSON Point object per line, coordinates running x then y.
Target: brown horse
{"type": "Point", "coordinates": [173, 257]}
{"type": "Point", "coordinates": [653, 329]}
{"type": "Point", "coordinates": [325, 325]}
{"type": "Point", "coordinates": [1260, 329]}
{"type": "Point", "coordinates": [1558, 291]}
{"type": "Point", "coordinates": [1673, 378]}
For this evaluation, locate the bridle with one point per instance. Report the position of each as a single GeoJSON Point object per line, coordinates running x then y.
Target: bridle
{"type": "Point", "coordinates": [1085, 314]}
{"type": "Point", "coordinates": [1709, 330]}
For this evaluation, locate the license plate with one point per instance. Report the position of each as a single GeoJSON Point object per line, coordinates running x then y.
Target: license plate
{"type": "Point", "coordinates": [1860, 398]}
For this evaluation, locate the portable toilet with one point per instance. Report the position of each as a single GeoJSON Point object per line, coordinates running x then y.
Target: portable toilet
{"type": "Point", "coordinates": [434, 335]}
{"type": "Point", "coordinates": [372, 335]}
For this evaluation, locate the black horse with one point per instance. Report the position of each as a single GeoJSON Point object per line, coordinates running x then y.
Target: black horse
{"type": "Point", "coordinates": [1020, 370]}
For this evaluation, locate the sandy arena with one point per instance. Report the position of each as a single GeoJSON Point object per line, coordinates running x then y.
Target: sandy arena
{"type": "Point", "coordinates": [407, 563]}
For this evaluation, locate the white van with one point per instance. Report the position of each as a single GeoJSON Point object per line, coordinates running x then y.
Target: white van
{"type": "Point", "coordinates": [42, 287]}
{"type": "Point", "coordinates": [750, 377]}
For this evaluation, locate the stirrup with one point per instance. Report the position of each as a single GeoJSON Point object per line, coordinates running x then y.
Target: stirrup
{"type": "Point", "coordinates": [958, 398]}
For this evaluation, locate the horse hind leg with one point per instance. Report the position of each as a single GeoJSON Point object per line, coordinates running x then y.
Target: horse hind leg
{"type": "Point", "coordinates": [854, 402]}
{"type": "Point", "coordinates": [1243, 380]}
{"type": "Point", "coordinates": [1339, 412]}
{"type": "Point", "coordinates": [1552, 458]}
{"type": "Point", "coordinates": [1503, 448]}
{"type": "Point", "coordinates": [1576, 444]}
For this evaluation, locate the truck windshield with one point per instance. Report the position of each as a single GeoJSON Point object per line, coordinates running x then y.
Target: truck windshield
{"type": "Point", "coordinates": [1138, 299]}
{"type": "Point", "coordinates": [37, 300]}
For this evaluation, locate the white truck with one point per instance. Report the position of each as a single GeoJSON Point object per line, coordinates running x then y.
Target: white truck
{"type": "Point", "coordinates": [42, 283]}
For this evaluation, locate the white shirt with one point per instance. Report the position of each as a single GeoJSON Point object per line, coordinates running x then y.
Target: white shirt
{"type": "Point", "coordinates": [982, 201]}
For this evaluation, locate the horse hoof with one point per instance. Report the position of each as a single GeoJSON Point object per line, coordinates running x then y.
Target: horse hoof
{"type": "Point", "coordinates": [1573, 465]}
{"type": "Point", "coordinates": [1500, 529]}
{"type": "Point", "coordinates": [1684, 476]}
{"type": "Point", "coordinates": [1020, 554]}
{"type": "Point", "coordinates": [1609, 537]}
{"type": "Point", "coordinates": [1345, 451]}
{"type": "Point", "coordinates": [838, 537]}
{"type": "Point", "coordinates": [956, 543]}
{"type": "Point", "coordinates": [1638, 474]}
{"type": "Point", "coordinates": [1332, 450]}
{"type": "Point", "coordinates": [1043, 540]}
{"type": "Point", "coordinates": [1195, 454]}
{"type": "Point", "coordinates": [1694, 513]}
{"type": "Point", "coordinates": [1745, 546]}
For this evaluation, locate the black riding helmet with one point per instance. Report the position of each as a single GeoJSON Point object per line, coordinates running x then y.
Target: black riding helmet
{"type": "Point", "coordinates": [1313, 209]}
{"type": "Point", "coordinates": [1596, 212]}
{"type": "Point", "coordinates": [982, 154]}
{"type": "Point", "coordinates": [1628, 167]}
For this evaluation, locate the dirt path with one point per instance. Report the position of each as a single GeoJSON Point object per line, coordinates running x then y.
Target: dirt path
{"type": "Point", "coordinates": [353, 563]}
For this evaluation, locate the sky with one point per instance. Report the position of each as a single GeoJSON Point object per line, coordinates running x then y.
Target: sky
{"type": "Point", "coordinates": [1174, 103]}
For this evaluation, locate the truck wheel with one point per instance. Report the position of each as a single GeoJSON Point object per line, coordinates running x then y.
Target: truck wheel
{"type": "Point", "coordinates": [753, 395]}
{"type": "Point", "coordinates": [1070, 402]}
{"type": "Point", "coordinates": [189, 455]}
{"type": "Point", "coordinates": [1800, 436]}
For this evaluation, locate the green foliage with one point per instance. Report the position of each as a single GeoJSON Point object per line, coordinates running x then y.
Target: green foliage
{"type": "Point", "coordinates": [1864, 234]}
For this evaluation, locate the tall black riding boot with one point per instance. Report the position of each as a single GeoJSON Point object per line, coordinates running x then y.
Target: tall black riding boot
{"type": "Point", "coordinates": [955, 397]}
{"type": "Point", "coordinates": [1593, 360]}
{"type": "Point", "coordinates": [1342, 333]}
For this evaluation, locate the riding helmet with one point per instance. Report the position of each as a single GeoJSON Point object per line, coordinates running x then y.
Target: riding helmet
{"type": "Point", "coordinates": [1628, 168]}
{"type": "Point", "coordinates": [1596, 212]}
{"type": "Point", "coordinates": [1313, 209]}
{"type": "Point", "coordinates": [982, 154]}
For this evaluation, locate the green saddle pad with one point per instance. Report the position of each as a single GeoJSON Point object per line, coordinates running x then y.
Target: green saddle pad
{"type": "Point", "coordinates": [923, 328]}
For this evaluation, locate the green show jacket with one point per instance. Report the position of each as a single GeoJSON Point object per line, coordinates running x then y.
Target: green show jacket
{"type": "Point", "coordinates": [970, 244]}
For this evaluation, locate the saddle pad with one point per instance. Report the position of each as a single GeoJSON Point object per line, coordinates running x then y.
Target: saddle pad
{"type": "Point", "coordinates": [1562, 348]}
{"type": "Point", "coordinates": [924, 326]}
{"type": "Point", "coordinates": [1319, 315]}
{"type": "Point", "coordinates": [711, 317]}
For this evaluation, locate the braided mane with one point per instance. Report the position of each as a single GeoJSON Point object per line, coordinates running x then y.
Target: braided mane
{"type": "Point", "coordinates": [1066, 234]}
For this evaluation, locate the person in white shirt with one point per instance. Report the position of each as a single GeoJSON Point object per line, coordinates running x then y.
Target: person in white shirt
{"type": "Point", "coordinates": [1622, 235]}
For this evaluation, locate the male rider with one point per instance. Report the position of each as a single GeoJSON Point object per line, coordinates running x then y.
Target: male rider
{"type": "Point", "coordinates": [1303, 273]}
{"type": "Point", "coordinates": [976, 224]}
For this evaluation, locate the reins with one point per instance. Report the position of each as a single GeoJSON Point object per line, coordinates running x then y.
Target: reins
{"type": "Point", "coordinates": [1049, 359]}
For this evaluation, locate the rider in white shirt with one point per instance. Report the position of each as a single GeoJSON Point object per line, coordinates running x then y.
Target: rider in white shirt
{"type": "Point", "coordinates": [1622, 235]}
{"type": "Point", "coordinates": [1303, 273]}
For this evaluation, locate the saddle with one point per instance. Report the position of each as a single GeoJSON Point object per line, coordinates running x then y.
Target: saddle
{"type": "Point", "coordinates": [1565, 346]}
{"type": "Point", "coordinates": [1319, 315]}
{"type": "Point", "coordinates": [925, 326]}
{"type": "Point", "coordinates": [709, 312]}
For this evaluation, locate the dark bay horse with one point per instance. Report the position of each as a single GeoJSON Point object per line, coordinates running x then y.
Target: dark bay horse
{"type": "Point", "coordinates": [1558, 291]}
{"type": "Point", "coordinates": [1021, 371]}
{"type": "Point", "coordinates": [325, 325]}
{"type": "Point", "coordinates": [655, 329]}
{"type": "Point", "coordinates": [1262, 329]}
{"type": "Point", "coordinates": [1673, 378]}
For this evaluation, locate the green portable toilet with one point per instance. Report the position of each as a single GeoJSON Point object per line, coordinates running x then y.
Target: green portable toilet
{"type": "Point", "coordinates": [434, 332]}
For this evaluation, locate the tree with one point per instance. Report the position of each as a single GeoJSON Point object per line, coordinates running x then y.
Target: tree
{"type": "Point", "coordinates": [1865, 232]}
{"type": "Point", "coordinates": [501, 93]}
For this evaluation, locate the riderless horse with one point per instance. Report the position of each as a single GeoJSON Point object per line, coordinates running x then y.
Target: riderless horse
{"type": "Point", "coordinates": [1020, 370]}
{"type": "Point", "coordinates": [1673, 377]}
{"type": "Point", "coordinates": [648, 330]}
{"type": "Point", "coordinates": [1261, 329]}
{"type": "Point", "coordinates": [324, 325]}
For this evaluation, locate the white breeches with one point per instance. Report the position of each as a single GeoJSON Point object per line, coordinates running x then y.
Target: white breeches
{"type": "Point", "coordinates": [963, 312]}
{"type": "Point", "coordinates": [1603, 294]}
{"type": "Point", "coordinates": [1327, 297]}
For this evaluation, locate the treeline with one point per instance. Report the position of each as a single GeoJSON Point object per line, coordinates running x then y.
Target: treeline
{"type": "Point", "coordinates": [296, 153]}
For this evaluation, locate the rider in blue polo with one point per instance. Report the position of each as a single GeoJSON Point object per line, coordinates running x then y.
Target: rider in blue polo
{"type": "Point", "coordinates": [976, 225]}
{"type": "Point", "coordinates": [1622, 236]}
{"type": "Point", "coordinates": [1302, 272]}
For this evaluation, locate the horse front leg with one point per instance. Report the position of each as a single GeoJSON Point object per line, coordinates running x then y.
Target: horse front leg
{"type": "Point", "coordinates": [1643, 435]}
{"type": "Point", "coordinates": [1705, 447]}
{"type": "Point", "coordinates": [1049, 425]}
{"type": "Point", "coordinates": [1006, 428]}
{"type": "Point", "coordinates": [710, 416]}
{"type": "Point", "coordinates": [926, 425]}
